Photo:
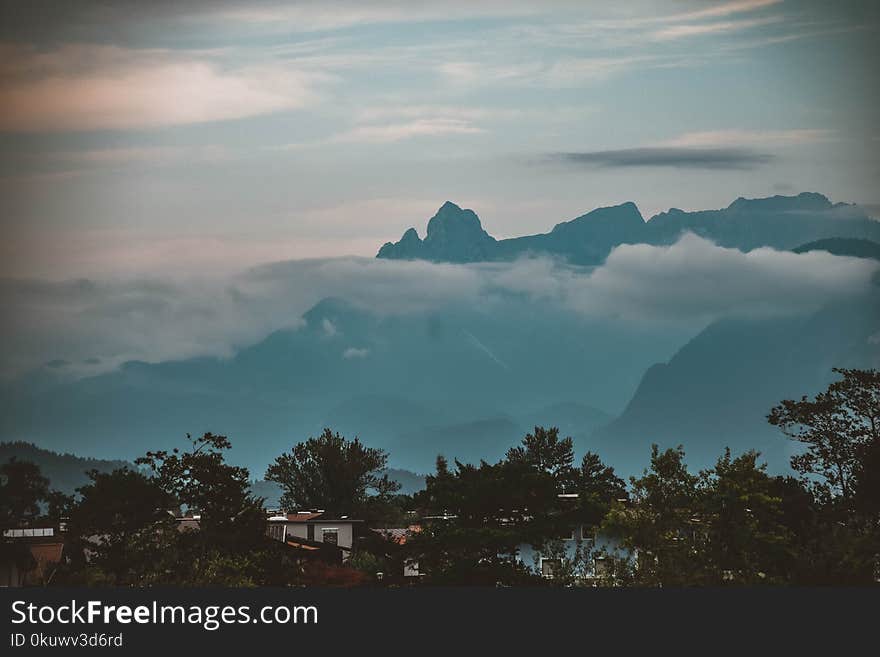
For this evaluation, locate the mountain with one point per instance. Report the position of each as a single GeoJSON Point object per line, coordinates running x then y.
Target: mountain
{"type": "Point", "coordinates": [719, 387]}
{"type": "Point", "coordinates": [858, 248]}
{"type": "Point", "coordinates": [408, 383]}
{"type": "Point", "coordinates": [454, 235]}
{"type": "Point", "coordinates": [586, 240]}
{"type": "Point", "coordinates": [781, 222]}
{"type": "Point", "coordinates": [483, 439]}
{"type": "Point", "coordinates": [65, 472]}
{"type": "Point", "coordinates": [410, 482]}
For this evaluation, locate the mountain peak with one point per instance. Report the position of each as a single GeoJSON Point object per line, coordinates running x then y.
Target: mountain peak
{"type": "Point", "coordinates": [623, 214]}
{"type": "Point", "coordinates": [456, 235]}
{"type": "Point", "coordinates": [803, 202]}
{"type": "Point", "coordinates": [452, 214]}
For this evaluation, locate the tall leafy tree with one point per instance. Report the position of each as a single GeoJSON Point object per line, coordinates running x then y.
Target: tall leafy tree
{"type": "Point", "coordinates": [598, 488]}
{"type": "Point", "coordinates": [332, 473]}
{"type": "Point", "coordinates": [544, 451]}
{"type": "Point", "coordinates": [661, 526]}
{"type": "Point", "coordinates": [839, 428]}
{"type": "Point", "coordinates": [747, 540]}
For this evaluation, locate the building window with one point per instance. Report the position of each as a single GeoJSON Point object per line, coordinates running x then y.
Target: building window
{"type": "Point", "coordinates": [549, 567]}
{"type": "Point", "coordinates": [587, 536]}
{"type": "Point", "coordinates": [330, 536]}
{"type": "Point", "coordinates": [567, 537]}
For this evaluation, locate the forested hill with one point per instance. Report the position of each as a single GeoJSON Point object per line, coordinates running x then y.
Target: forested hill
{"type": "Point", "coordinates": [66, 472]}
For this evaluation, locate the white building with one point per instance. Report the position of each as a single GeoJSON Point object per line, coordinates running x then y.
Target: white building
{"type": "Point", "coordinates": [314, 527]}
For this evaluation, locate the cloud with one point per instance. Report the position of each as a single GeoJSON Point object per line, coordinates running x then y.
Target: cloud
{"type": "Point", "coordinates": [388, 133]}
{"type": "Point", "coordinates": [686, 284]}
{"type": "Point", "coordinates": [667, 156]}
{"type": "Point", "coordinates": [695, 278]}
{"type": "Point", "coordinates": [355, 353]}
{"type": "Point", "coordinates": [742, 138]}
{"type": "Point", "coordinates": [108, 88]}
{"type": "Point", "coordinates": [725, 9]}
{"type": "Point", "coordinates": [428, 127]}
{"type": "Point", "coordinates": [700, 29]}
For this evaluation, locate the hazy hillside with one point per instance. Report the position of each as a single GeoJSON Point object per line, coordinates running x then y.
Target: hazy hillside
{"type": "Point", "coordinates": [718, 389]}
{"type": "Point", "coordinates": [66, 472]}
{"type": "Point", "coordinates": [395, 381]}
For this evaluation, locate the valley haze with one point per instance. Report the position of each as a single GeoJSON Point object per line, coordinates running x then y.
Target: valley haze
{"type": "Point", "coordinates": [685, 329]}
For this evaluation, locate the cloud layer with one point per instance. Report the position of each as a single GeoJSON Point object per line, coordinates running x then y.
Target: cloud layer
{"type": "Point", "coordinates": [94, 326]}
{"type": "Point", "coordinates": [668, 156]}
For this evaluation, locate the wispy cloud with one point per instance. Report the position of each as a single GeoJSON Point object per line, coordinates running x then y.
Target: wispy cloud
{"type": "Point", "coordinates": [725, 9]}
{"type": "Point", "coordinates": [678, 157]}
{"type": "Point", "coordinates": [429, 127]}
{"type": "Point", "coordinates": [748, 138]}
{"type": "Point", "coordinates": [700, 29]}
{"type": "Point", "coordinates": [107, 88]}
{"type": "Point", "coordinates": [387, 133]}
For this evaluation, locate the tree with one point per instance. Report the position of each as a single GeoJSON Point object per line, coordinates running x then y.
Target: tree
{"type": "Point", "coordinates": [741, 510]}
{"type": "Point", "coordinates": [332, 473]}
{"type": "Point", "coordinates": [200, 480]}
{"type": "Point", "coordinates": [661, 526]}
{"type": "Point", "coordinates": [839, 428]}
{"type": "Point", "coordinates": [543, 451]}
{"type": "Point", "coordinates": [484, 513]}
{"type": "Point", "coordinates": [121, 526]}
{"type": "Point", "coordinates": [23, 487]}
{"type": "Point", "coordinates": [598, 488]}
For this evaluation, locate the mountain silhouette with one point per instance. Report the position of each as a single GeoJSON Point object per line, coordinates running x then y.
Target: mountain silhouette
{"type": "Point", "coordinates": [717, 389]}
{"type": "Point", "coordinates": [845, 246]}
{"type": "Point", "coordinates": [454, 235]}
{"type": "Point", "coordinates": [781, 222]}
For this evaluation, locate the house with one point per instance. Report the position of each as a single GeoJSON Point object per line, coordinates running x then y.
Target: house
{"type": "Point", "coordinates": [314, 527]}
{"type": "Point", "coordinates": [582, 545]}
{"type": "Point", "coordinates": [30, 556]}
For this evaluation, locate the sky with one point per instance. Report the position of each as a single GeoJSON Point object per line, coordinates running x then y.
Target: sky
{"type": "Point", "coordinates": [141, 139]}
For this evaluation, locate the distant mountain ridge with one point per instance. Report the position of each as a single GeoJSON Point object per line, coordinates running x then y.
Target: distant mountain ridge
{"type": "Point", "coordinates": [783, 222]}
{"type": "Point", "coordinates": [717, 389]}
{"type": "Point", "coordinates": [846, 246]}
{"type": "Point", "coordinates": [65, 472]}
